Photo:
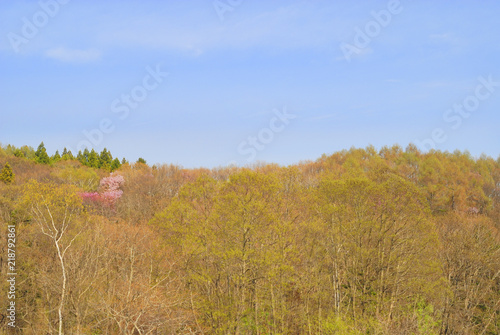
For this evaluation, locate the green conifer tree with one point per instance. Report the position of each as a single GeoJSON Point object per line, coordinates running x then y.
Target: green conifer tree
{"type": "Point", "coordinates": [80, 157]}
{"type": "Point", "coordinates": [93, 160]}
{"type": "Point", "coordinates": [56, 157]}
{"type": "Point", "coordinates": [65, 155]}
{"type": "Point", "coordinates": [41, 155]}
{"type": "Point", "coordinates": [115, 164]}
{"type": "Point", "coordinates": [105, 160]}
{"type": "Point", "coordinates": [7, 175]}
{"type": "Point", "coordinates": [86, 154]}
{"type": "Point", "coordinates": [18, 153]}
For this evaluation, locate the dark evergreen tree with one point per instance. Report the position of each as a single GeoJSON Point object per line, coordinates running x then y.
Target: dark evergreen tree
{"type": "Point", "coordinates": [93, 159]}
{"type": "Point", "coordinates": [56, 157]}
{"type": "Point", "coordinates": [80, 157]}
{"type": "Point", "coordinates": [18, 153]}
{"type": "Point", "coordinates": [115, 164]}
{"type": "Point", "coordinates": [105, 160]}
{"type": "Point", "coordinates": [67, 155]}
{"type": "Point", "coordinates": [41, 154]}
{"type": "Point", "coordinates": [141, 160]}
{"type": "Point", "coordinates": [86, 155]}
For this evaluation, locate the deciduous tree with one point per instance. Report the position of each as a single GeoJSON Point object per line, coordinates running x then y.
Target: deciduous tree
{"type": "Point", "coordinates": [57, 210]}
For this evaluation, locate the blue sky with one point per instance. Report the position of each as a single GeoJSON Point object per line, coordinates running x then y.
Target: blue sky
{"type": "Point", "coordinates": [233, 66]}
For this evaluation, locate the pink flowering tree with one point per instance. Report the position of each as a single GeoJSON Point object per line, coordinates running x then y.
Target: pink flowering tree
{"type": "Point", "coordinates": [110, 188]}
{"type": "Point", "coordinates": [108, 192]}
{"type": "Point", "coordinates": [89, 196]}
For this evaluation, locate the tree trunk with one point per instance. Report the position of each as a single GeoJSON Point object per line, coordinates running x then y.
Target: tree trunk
{"type": "Point", "coordinates": [63, 291]}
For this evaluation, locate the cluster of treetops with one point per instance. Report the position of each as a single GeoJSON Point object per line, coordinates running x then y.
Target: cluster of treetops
{"type": "Point", "coordinates": [92, 158]}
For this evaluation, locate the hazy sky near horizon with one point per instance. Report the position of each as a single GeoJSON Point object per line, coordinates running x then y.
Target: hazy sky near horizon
{"type": "Point", "coordinates": [347, 73]}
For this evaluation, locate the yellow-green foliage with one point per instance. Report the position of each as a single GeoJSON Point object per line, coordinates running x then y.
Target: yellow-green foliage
{"type": "Point", "coordinates": [358, 242]}
{"type": "Point", "coordinates": [83, 177]}
{"type": "Point", "coordinates": [6, 174]}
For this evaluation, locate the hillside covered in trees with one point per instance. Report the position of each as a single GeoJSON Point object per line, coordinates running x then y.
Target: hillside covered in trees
{"type": "Point", "coordinates": [364, 241]}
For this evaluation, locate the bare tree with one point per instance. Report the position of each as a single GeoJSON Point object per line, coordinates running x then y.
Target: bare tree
{"type": "Point", "coordinates": [56, 210]}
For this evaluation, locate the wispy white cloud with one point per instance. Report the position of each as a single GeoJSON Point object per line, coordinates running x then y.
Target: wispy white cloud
{"type": "Point", "coordinates": [188, 29]}
{"type": "Point", "coordinates": [73, 55]}
{"type": "Point", "coordinates": [299, 25]}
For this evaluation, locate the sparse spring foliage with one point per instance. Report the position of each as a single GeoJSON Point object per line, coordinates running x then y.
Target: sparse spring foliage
{"type": "Point", "coordinates": [364, 241]}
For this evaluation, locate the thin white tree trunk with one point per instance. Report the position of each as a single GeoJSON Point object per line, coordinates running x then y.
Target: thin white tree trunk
{"type": "Point", "coordinates": [63, 292]}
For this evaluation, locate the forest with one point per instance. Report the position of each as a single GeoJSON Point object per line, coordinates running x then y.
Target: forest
{"type": "Point", "coordinates": [360, 241]}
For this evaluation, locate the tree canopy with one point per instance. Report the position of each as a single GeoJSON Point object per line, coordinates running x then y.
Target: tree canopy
{"type": "Point", "coordinates": [361, 241]}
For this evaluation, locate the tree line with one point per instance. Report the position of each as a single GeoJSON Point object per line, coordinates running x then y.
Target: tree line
{"type": "Point", "coordinates": [91, 158]}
